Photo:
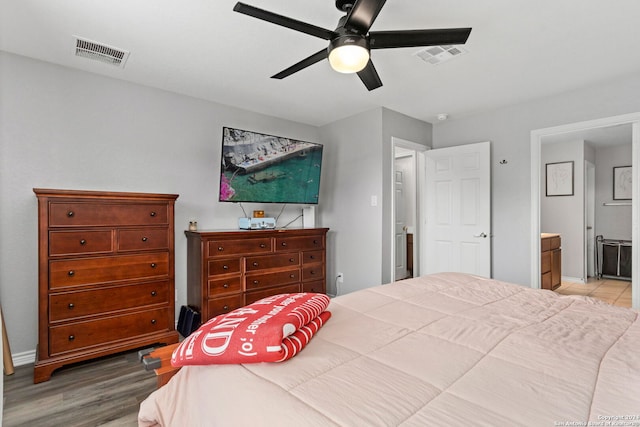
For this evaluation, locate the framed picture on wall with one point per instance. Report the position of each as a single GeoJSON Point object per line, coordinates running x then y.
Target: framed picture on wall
{"type": "Point", "coordinates": [559, 179]}
{"type": "Point", "coordinates": [622, 183]}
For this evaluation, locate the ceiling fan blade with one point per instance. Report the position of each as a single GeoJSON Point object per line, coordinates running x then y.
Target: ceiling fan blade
{"type": "Point", "coordinates": [284, 21]}
{"type": "Point", "coordinates": [362, 15]}
{"type": "Point", "coordinates": [370, 77]}
{"type": "Point", "coordinates": [316, 57]}
{"type": "Point", "coordinates": [413, 38]}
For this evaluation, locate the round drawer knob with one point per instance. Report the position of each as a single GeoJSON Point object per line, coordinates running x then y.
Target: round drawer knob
{"type": "Point", "coordinates": [312, 272]}
{"type": "Point", "coordinates": [153, 265]}
{"type": "Point", "coordinates": [226, 285]}
{"type": "Point", "coordinates": [220, 249]}
{"type": "Point", "coordinates": [312, 257]}
{"type": "Point", "coordinates": [255, 282]}
{"type": "Point", "coordinates": [153, 321]}
{"type": "Point", "coordinates": [226, 307]}
{"type": "Point", "coordinates": [255, 264]}
{"type": "Point", "coordinates": [72, 337]}
{"type": "Point", "coordinates": [71, 306]}
{"type": "Point", "coordinates": [70, 214]}
{"type": "Point", "coordinates": [315, 242]}
{"type": "Point", "coordinates": [154, 293]}
{"type": "Point", "coordinates": [284, 243]}
{"type": "Point", "coordinates": [152, 213]}
{"type": "Point", "coordinates": [291, 260]}
{"type": "Point", "coordinates": [83, 242]}
{"type": "Point", "coordinates": [225, 267]}
{"type": "Point", "coordinates": [292, 275]}
{"type": "Point", "coordinates": [262, 245]}
{"type": "Point", "coordinates": [71, 273]}
{"type": "Point", "coordinates": [144, 239]}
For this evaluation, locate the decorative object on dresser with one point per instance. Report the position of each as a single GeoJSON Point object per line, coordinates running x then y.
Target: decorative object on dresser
{"type": "Point", "coordinates": [229, 269]}
{"type": "Point", "coordinates": [550, 261]}
{"type": "Point", "coordinates": [106, 274]}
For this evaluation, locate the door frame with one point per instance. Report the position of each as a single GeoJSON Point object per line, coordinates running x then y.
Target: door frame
{"type": "Point", "coordinates": [419, 150]}
{"type": "Point", "coordinates": [536, 142]}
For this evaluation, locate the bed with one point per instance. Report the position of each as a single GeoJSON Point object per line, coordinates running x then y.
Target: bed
{"type": "Point", "coordinates": [447, 349]}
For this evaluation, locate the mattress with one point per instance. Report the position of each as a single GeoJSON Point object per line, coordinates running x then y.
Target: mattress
{"type": "Point", "coordinates": [447, 349]}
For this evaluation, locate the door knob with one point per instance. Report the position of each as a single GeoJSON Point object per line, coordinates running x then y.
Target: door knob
{"type": "Point", "coordinates": [483, 235]}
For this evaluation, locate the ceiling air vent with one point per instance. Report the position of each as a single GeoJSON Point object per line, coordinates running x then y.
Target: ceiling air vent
{"type": "Point", "coordinates": [101, 52]}
{"type": "Point", "coordinates": [438, 54]}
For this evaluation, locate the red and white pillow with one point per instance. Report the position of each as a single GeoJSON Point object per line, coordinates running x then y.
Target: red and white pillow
{"type": "Point", "coordinates": [272, 329]}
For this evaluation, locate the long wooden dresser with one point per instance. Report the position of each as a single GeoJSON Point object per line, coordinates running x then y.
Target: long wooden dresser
{"type": "Point", "coordinates": [106, 274]}
{"type": "Point", "coordinates": [229, 269]}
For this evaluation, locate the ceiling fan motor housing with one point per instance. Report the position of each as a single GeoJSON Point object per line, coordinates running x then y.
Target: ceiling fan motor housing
{"type": "Point", "coordinates": [349, 40]}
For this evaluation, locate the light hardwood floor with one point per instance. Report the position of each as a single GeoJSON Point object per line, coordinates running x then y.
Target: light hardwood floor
{"type": "Point", "coordinates": [616, 292]}
{"type": "Point", "coordinates": [102, 392]}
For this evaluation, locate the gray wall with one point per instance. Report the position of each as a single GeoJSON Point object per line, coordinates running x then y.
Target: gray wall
{"type": "Point", "coordinates": [68, 129]}
{"type": "Point", "coordinates": [363, 156]}
{"type": "Point", "coordinates": [612, 222]}
{"type": "Point", "coordinates": [509, 130]}
{"type": "Point", "coordinates": [62, 128]}
{"type": "Point", "coordinates": [565, 214]}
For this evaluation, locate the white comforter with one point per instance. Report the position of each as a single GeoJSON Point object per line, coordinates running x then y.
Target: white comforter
{"type": "Point", "coordinates": [442, 350]}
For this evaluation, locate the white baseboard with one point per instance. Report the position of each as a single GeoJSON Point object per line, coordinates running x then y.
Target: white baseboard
{"type": "Point", "coordinates": [24, 358]}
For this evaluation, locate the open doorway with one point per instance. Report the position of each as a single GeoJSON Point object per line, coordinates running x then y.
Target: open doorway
{"type": "Point", "coordinates": [405, 202]}
{"type": "Point", "coordinates": [538, 139]}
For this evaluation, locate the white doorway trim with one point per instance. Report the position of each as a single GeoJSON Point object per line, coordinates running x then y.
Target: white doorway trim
{"type": "Point", "coordinates": [536, 141]}
{"type": "Point", "coordinates": [417, 241]}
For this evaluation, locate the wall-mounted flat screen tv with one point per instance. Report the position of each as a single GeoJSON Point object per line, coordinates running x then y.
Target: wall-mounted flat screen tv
{"type": "Point", "coordinates": [261, 168]}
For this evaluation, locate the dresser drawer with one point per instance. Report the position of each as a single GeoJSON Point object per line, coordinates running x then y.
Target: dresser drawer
{"type": "Point", "coordinates": [254, 296]}
{"type": "Point", "coordinates": [217, 248]}
{"type": "Point", "coordinates": [313, 272]}
{"type": "Point", "coordinates": [225, 286]}
{"type": "Point", "coordinates": [71, 305]}
{"type": "Point", "coordinates": [311, 257]}
{"type": "Point", "coordinates": [301, 243]}
{"type": "Point", "coordinates": [272, 261]}
{"type": "Point", "coordinates": [80, 242]}
{"type": "Point", "coordinates": [223, 266]}
{"type": "Point", "coordinates": [224, 305]}
{"type": "Point", "coordinates": [138, 239]}
{"type": "Point", "coordinates": [79, 335]}
{"type": "Point", "coordinates": [74, 214]}
{"type": "Point", "coordinates": [88, 271]}
{"type": "Point", "coordinates": [316, 287]}
{"type": "Point", "coordinates": [257, 281]}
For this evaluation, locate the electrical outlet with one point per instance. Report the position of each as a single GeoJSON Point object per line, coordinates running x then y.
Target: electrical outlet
{"type": "Point", "coordinates": [340, 277]}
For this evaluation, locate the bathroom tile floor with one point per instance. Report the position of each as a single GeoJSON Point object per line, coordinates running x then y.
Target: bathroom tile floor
{"type": "Point", "coordinates": [616, 292]}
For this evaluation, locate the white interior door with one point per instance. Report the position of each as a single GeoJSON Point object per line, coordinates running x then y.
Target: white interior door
{"type": "Point", "coordinates": [400, 227]}
{"type": "Point", "coordinates": [458, 210]}
{"type": "Point", "coordinates": [590, 214]}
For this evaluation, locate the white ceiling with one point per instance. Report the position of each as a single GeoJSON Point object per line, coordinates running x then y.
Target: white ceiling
{"type": "Point", "coordinates": [518, 50]}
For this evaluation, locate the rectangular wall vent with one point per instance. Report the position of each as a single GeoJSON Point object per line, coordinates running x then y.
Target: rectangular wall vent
{"type": "Point", "coordinates": [101, 52]}
{"type": "Point", "coordinates": [438, 54]}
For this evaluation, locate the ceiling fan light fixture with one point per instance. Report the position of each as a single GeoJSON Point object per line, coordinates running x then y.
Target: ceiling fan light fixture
{"type": "Point", "coordinates": [348, 54]}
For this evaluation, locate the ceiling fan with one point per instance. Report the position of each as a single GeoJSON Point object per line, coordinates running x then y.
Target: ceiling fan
{"type": "Point", "coordinates": [351, 41]}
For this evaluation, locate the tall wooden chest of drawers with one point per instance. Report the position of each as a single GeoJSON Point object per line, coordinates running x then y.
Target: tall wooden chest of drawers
{"type": "Point", "coordinates": [106, 274]}
{"type": "Point", "coordinates": [229, 269]}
